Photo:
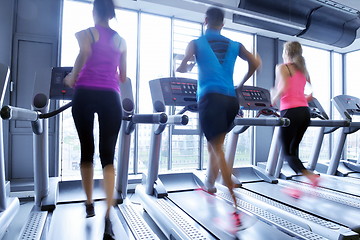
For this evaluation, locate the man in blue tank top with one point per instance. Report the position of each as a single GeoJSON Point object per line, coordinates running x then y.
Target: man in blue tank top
{"type": "Point", "coordinates": [217, 101]}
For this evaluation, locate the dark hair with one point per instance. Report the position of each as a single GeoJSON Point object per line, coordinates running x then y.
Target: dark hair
{"type": "Point", "coordinates": [105, 9]}
{"type": "Point", "coordinates": [215, 16]}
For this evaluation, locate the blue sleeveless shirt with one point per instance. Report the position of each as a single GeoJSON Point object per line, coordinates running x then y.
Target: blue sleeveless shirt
{"type": "Point", "coordinates": [215, 56]}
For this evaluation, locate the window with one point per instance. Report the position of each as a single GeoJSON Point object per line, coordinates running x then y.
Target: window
{"type": "Point", "coordinates": [243, 154]}
{"type": "Point", "coordinates": [318, 65]}
{"type": "Point", "coordinates": [185, 140]}
{"type": "Point", "coordinates": [337, 89]}
{"type": "Point", "coordinates": [337, 84]}
{"type": "Point", "coordinates": [72, 23]}
{"type": "Point", "coordinates": [352, 88]}
{"type": "Point", "coordinates": [69, 144]}
{"type": "Point", "coordinates": [153, 52]}
{"type": "Point", "coordinates": [126, 24]}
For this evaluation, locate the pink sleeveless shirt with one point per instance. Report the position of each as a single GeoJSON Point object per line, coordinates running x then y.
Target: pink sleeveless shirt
{"type": "Point", "coordinates": [294, 94]}
{"type": "Point", "coordinates": [101, 68]}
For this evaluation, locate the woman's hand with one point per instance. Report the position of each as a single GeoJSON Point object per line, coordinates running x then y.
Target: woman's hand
{"type": "Point", "coordinates": [309, 97]}
{"type": "Point", "coordinates": [70, 80]}
{"type": "Point", "coordinates": [273, 96]}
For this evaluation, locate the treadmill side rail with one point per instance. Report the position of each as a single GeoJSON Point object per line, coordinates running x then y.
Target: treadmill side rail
{"type": "Point", "coordinates": [34, 226]}
{"type": "Point", "coordinates": [139, 228]}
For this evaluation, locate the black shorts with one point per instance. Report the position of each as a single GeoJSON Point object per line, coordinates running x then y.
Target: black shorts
{"type": "Point", "coordinates": [217, 113]}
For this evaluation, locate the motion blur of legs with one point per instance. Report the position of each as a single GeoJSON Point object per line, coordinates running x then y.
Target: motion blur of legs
{"type": "Point", "coordinates": [217, 151]}
{"type": "Point", "coordinates": [291, 137]}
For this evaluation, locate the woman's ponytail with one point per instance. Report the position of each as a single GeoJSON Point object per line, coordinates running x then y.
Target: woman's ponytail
{"type": "Point", "coordinates": [294, 52]}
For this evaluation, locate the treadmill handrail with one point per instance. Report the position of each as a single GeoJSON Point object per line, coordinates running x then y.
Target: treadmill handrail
{"type": "Point", "coordinates": [355, 124]}
{"type": "Point", "coordinates": [154, 118]}
{"type": "Point", "coordinates": [24, 114]}
{"type": "Point", "coordinates": [17, 113]}
{"type": "Point", "coordinates": [178, 119]}
{"type": "Point", "coordinates": [278, 121]}
{"type": "Point", "coordinates": [329, 123]}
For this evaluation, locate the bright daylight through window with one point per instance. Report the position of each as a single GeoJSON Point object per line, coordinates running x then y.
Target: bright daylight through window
{"type": "Point", "coordinates": [151, 57]}
{"type": "Point", "coordinates": [155, 61]}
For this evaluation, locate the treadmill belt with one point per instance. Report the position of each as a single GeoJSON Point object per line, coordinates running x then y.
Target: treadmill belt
{"type": "Point", "coordinates": [214, 214]}
{"type": "Point", "coordinates": [354, 175]}
{"type": "Point", "coordinates": [68, 222]}
{"type": "Point", "coordinates": [337, 212]}
{"type": "Point", "coordinates": [339, 184]}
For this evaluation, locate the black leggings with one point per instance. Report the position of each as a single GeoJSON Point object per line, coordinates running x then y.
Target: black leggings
{"type": "Point", "coordinates": [107, 105]}
{"type": "Point", "coordinates": [291, 136]}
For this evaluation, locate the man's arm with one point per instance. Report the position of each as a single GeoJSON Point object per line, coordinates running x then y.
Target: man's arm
{"type": "Point", "coordinates": [253, 61]}
{"type": "Point", "coordinates": [189, 55]}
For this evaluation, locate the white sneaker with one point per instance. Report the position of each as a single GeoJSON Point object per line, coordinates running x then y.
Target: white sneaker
{"type": "Point", "coordinates": [210, 188]}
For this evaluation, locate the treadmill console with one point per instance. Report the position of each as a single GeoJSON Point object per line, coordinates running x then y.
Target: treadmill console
{"type": "Point", "coordinates": [316, 110]}
{"type": "Point", "coordinates": [174, 91]}
{"type": "Point", "coordinates": [58, 90]}
{"type": "Point", "coordinates": [347, 106]}
{"type": "Point", "coordinates": [254, 98]}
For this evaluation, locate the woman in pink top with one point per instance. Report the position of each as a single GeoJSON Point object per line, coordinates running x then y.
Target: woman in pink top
{"type": "Point", "coordinates": [99, 66]}
{"type": "Point", "coordinates": [291, 78]}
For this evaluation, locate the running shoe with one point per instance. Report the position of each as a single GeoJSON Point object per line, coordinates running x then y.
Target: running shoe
{"type": "Point", "coordinates": [108, 232]}
{"type": "Point", "coordinates": [210, 188]}
{"type": "Point", "coordinates": [90, 210]}
{"type": "Point", "coordinates": [292, 192]}
{"type": "Point", "coordinates": [315, 179]}
{"type": "Point", "coordinates": [211, 191]}
{"type": "Point", "coordinates": [236, 220]}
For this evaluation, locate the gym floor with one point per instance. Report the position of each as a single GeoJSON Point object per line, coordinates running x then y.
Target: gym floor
{"type": "Point", "coordinates": [19, 220]}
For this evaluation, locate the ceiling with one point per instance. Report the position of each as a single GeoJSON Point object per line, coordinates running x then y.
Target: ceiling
{"type": "Point", "coordinates": [194, 9]}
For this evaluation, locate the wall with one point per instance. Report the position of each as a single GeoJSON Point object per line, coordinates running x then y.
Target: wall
{"type": "Point", "coordinates": [35, 41]}
{"type": "Point", "coordinates": [6, 35]}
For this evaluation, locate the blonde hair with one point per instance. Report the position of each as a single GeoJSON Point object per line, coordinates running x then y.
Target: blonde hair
{"type": "Point", "coordinates": [294, 51]}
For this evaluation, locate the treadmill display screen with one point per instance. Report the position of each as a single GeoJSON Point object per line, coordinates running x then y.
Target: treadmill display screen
{"type": "Point", "coordinates": [174, 91]}
{"type": "Point", "coordinates": [58, 90]}
{"type": "Point", "coordinates": [254, 95]}
{"type": "Point", "coordinates": [183, 88]}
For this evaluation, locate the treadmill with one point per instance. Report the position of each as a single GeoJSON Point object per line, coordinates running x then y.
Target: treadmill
{"type": "Point", "coordinates": [261, 188]}
{"type": "Point", "coordinates": [349, 186]}
{"type": "Point", "coordinates": [348, 106]}
{"type": "Point", "coordinates": [51, 217]}
{"type": "Point", "coordinates": [335, 212]}
{"type": "Point", "coordinates": [9, 206]}
{"type": "Point", "coordinates": [177, 204]}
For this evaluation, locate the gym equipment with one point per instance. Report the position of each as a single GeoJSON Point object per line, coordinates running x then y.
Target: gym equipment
{"type": "Point", "coordinates": [347, 106]}
{"type": "Point", "coordinates": [262, 189]}
{"type": "Point", "coordinates": [174, 200]}
{"type": "Point", "coordinates": [336, 207]}
{"type": "Point", "coordinates": [8, 205]}
{"type": "Point", "coordinates": [126, 221]}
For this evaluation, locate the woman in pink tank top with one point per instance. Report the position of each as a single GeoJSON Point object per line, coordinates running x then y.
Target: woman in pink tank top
{"type": "Point", "coordinates": [99, 66]}
{"type": "Point", "coordinates": [291, 78]}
